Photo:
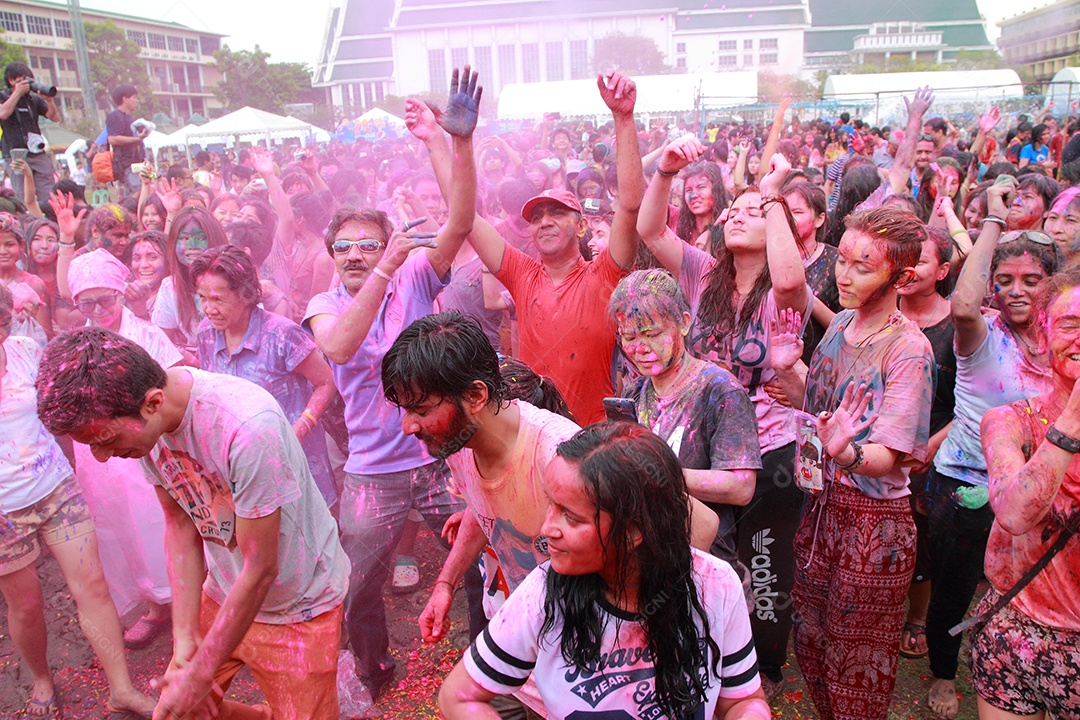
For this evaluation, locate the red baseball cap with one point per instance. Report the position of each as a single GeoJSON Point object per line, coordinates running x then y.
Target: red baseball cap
{"type": "Point", "coordinates": [562, 197]}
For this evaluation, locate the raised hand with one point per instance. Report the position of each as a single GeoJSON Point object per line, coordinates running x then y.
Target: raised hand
{"type": "Point", "coordinates": [169, 194]}
{"type": "Point", "coordinates": [463, 107]}
{"type": "Point", "coordinates": [618, 92]}
{"type": "Point", "coordinates": [401, 244]}
{"type": "Point", "coordinates": [680, 153]}
{"type": "Point", "coordinates": [67, 221]}
{"type": "Point", "coordinates": [779, 167]}
{"type": "Point", "coordinates": [786, 343]}
{"type": "Point", "coordinates": [420, 120]}
{"type": "Point", "coordinates": [990, 120]}
{"type": "Point", "coordinates": [999, 197]}
{"type": "Point", "coordinates": [920, 102]}
{"type": "Point", "coordinates": [264, 161]}
{"type": "Point", "coordinates": [837, 429]}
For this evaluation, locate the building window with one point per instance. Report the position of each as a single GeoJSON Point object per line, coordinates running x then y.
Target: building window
{"type": "Point", "coordinates": [192, 46]}
{"type": "Point", "coordinates": [530, 62]}
{"type": "Point", "coordinates": [769, 44]}
{"type": "Point", "coordinates": [728, 45]}
{"type": "Point", "coordinates": [176, 44]}
{"type": "Point", "coordinates": [579, 59]}
{"type": "Point", "coordinates": [507, 64]}
{"type": "Point", "coordinates": [11, 21]}
{"type": "Point", "coordinates": [747, 44]}
{"type": "Point", "coordinates": [37, 25]}
{"type": "Point", "coordinates": [747, 60]}
{"type": "Point", "coordinates": [459, 58]}
{"type": "Point", "coordinates": [63, 28]}
{"type": "Point", "coordinates": [769, 59]}
{"type": "Point", "coordinates": [72, 66]}
{"type": "Point", "coordinates": [482, 62]}
{"type": "Point", "coordinates": [727, 60]}
{"type": "Point", "coordinates": [157, 42]}
{"type": "Point", "coordinates": [680, 47]}
{"type": "Point", "coordinates": [680, 63]}
{"type": "Point", "coordinates": [436, 63]}
{"type": "Point", "coordinates": [553, 50]}
{"type": "Point", "coordinates": [137, 36]}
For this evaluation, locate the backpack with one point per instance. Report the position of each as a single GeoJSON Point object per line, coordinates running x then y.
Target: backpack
{"type": "Point", "coordinates": [101, 166]}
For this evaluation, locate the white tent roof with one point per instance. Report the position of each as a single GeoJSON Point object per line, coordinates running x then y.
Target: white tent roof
{"type": "Point", "coordinates": [1064, 89]}
{"type": "Point", "coordinates": [157, 140]}
{"type": "Point", "coordinates": [248, 124]}
{"type": "Point", "coordinates": [378, 115]}
{"type": "Point", "coordinates": [656, 94]}
{"type": "Point", "coordinates": [947, 84]}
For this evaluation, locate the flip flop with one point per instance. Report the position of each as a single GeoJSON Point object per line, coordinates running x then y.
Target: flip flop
{"type": "Point", "coordinates": [914, 632]}
{"type": "Point", "coordinates": [49, 709]}
{"type": "Point", "coordinates": [406, 575]}
{"type": "Point", "coordinates": [143, 632]}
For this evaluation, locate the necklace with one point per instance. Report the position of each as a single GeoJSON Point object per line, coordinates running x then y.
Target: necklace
{"type": "Point", "coordinates": [933, 313]}
{"type": "Point", "coordinates": [1033, 351]}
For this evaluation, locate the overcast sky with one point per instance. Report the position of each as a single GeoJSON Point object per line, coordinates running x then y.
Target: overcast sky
{"type": "Point", "coordinates": [292, 30]}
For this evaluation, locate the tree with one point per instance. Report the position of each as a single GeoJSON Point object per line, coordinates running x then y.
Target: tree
{"type": "Point", "coordinates": [773, 87]}
{"type": "Point", "coordinates": [10, 53]}
{"type": "Point", "coordinates": [247, 79]}
{"type": "Point", "coordinates": [114, 60]}
{"type": "Point", "coordinates": [630, 54]}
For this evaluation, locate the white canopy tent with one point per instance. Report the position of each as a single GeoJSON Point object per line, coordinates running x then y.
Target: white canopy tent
{"type": "Point", "coordinates": [251, 125]}
{"type": "Point", "coordinates": [1064, 89]}
{"type": "Point", "coordinates": [656, 94]}
{"type": "Point", "coordinates": [157, 140]}
{"type": "Point", "coordinates": [882, 93]}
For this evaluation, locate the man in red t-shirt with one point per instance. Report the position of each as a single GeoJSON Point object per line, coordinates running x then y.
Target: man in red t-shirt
{"type": "Point", "coordinates": [562, 299]}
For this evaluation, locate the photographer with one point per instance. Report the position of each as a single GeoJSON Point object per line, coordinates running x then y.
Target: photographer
{"type": "Point", "coordinates": [125, 140]}
{"type": "Point", "coordinates": [24, 101]}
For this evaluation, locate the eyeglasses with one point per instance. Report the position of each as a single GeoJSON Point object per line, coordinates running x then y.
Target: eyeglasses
{"type": "Point", "coordinates": [927, 138]}
{"type": "Point", "coordinates": [86, 307]}
{"type": "Point", "coordinates": [1033, 235]}
{"type": "Point", "coordinates": [366, 245]}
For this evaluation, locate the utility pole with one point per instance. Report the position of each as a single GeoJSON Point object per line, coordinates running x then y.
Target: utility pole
{"type": "Point", "coordinates": [82, 59]}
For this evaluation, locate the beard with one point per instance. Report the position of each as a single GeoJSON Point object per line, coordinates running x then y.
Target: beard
{"type": "Point", "coordinates": [457, 436]}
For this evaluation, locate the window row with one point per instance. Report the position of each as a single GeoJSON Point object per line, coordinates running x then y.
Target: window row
{"type": "Point", "coordinates": [561, 61]}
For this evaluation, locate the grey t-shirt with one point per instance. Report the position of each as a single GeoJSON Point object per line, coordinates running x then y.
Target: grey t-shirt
{"type": "Point", "coordinates": [235, 455]}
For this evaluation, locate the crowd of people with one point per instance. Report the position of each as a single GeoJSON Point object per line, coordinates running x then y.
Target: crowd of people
{"type": "Point", "coordinates": [672, 398]}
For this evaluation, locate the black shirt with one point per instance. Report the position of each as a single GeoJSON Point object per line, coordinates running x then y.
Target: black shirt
{"type": "Point", "coordinates": [117, 123]}
{"type": "Point", "coordinates": [22, 121]}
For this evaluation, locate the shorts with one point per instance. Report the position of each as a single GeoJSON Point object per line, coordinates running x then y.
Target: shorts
{"type": "Point", "coordinates": [295, 665]}
{"type": "Point", "coordinates": [1023, 667]}
{"type": "Point", "coordinates": [60, 516]}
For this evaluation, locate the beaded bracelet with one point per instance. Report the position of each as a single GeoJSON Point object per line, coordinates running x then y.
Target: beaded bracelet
{"type": "Point", "coordinates": [770, 200]}
{"type": "Point", "coordinates": [856, 462]}
{"type": "Point", "coordinates": [665, 173]}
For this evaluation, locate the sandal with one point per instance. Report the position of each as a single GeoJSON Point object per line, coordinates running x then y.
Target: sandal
{"type": "Point", "coordinates": [47, 709]}
{"type": "Point", "coordinates": [406, 574]}
{"type": "Point", "coordinates": [143, 632]}
{"type": "Point", "coordinates": [913, 641]}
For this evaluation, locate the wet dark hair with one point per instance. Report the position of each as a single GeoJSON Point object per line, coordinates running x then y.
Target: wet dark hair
{"type": "Point", "coordinates": [1047, 188]}
{"type": "Point", "coordinates": [633, 476]}
{"type": "Point", "coordinates": [523, 383]}
{"type": "Point", "coordinates": [857, 182]}
{"type": "Point", "coordinates": [7, 309]}
{"type": "Point", "coordinates": [943, 249]}
{"type": "Point", "coordinates": [1050, 256]}
{"type": "Point", "coordinates": [899, 231]}
{"type": "Point", "coordinates": [183, 285]}
{"type": "Point", "coordinates": [250, 236]}
{"type": "Point", "coordinates": [235, 266]}
{"type": "Point", "coordinates": [348, 214]}
{"type": "Point", "coordinates": [442, 356]}
{"type": "Point", "coordinates": [311, 211]}
{"type": "Point", "coordinates": [815, 199]}
{"type": "Point", "coordinates": [93, 374]}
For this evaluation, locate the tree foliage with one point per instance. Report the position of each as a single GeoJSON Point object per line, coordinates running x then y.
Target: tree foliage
{"type": "Point", "coordinates": [114, 60]}
{"type": "Point", "coordinates": [247, 79]}
{"type": "Point", "coordinates": [774, 87]}
{"type": "Point", "coordinates": [629, 54]}
{"type": "Point", "coordinates": [10, 53]}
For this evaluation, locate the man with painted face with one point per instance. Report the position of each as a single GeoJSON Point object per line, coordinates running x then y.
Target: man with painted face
{"type": "Point", "coordinates": [384, 287]}
{"type": "Point", "coordinates": [562, 299]}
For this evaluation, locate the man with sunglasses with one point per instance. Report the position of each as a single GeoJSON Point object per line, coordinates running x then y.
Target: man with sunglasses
{"type": "Point", "coordinates": [384, 287]}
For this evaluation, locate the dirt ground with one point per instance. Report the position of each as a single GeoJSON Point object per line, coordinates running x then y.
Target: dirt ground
{"type": "Point", "coordinates": [82, 689]}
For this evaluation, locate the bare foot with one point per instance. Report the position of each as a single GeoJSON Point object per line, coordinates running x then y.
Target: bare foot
{"type": "Point", "coordinates": [943, 698]}
{"type": "Point", "coordinates": [131, 701]}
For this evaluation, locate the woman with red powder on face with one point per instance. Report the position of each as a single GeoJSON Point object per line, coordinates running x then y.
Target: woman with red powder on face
{"type": "Point", "coordinates": [1024, 658]}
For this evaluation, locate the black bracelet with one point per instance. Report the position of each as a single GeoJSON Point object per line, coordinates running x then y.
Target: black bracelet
{"type": "Point", "coordinates": [856, 461]}
{"type": "Point", "coordinates": [1063, 441]}
{"type": "Point", "coordinates": [765, 202]}
{"type": "Point", "coordinates": [665, 173]}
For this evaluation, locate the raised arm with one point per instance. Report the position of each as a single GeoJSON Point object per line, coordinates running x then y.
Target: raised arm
{"type": "Point", "coordinates": [68, 222]}
{"type": "Point", "coordinates": [785, 262]}
{"type": "Point", "coordinates": [774, 132]}
{"type": "Point", "coordinates": [987, 123]}
{"type": "Point", "coordinates": [286, 227]}
{"type": "Point", "coordinates": [652, 220]}
{"type": "Point", "coordinates": [738, 174]}
{"type": "Point", "coordinates": [29, 188]}
{"type": "Point", "coordinates": [905, 152]}
{"type": "Point", "coordinates": [974, 278]}
{"type": "Point", "coordinates": [620, 94]}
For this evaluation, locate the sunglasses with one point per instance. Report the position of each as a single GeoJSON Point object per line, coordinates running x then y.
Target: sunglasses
{"type": "Point", "coordinates": [366, 245]}
{"type": "Point", "coordinates": [86, 307]}
{"type": "Point", "coordinates": [1033, 235]}
{"type": "Point", "coordinates": [928, 138]}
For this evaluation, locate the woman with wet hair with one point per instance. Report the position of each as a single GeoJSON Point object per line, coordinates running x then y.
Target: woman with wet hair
{"type": "Point", "coordinates": [623, 594]}
{"type": "Point", "coordinates": [704, 198]}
